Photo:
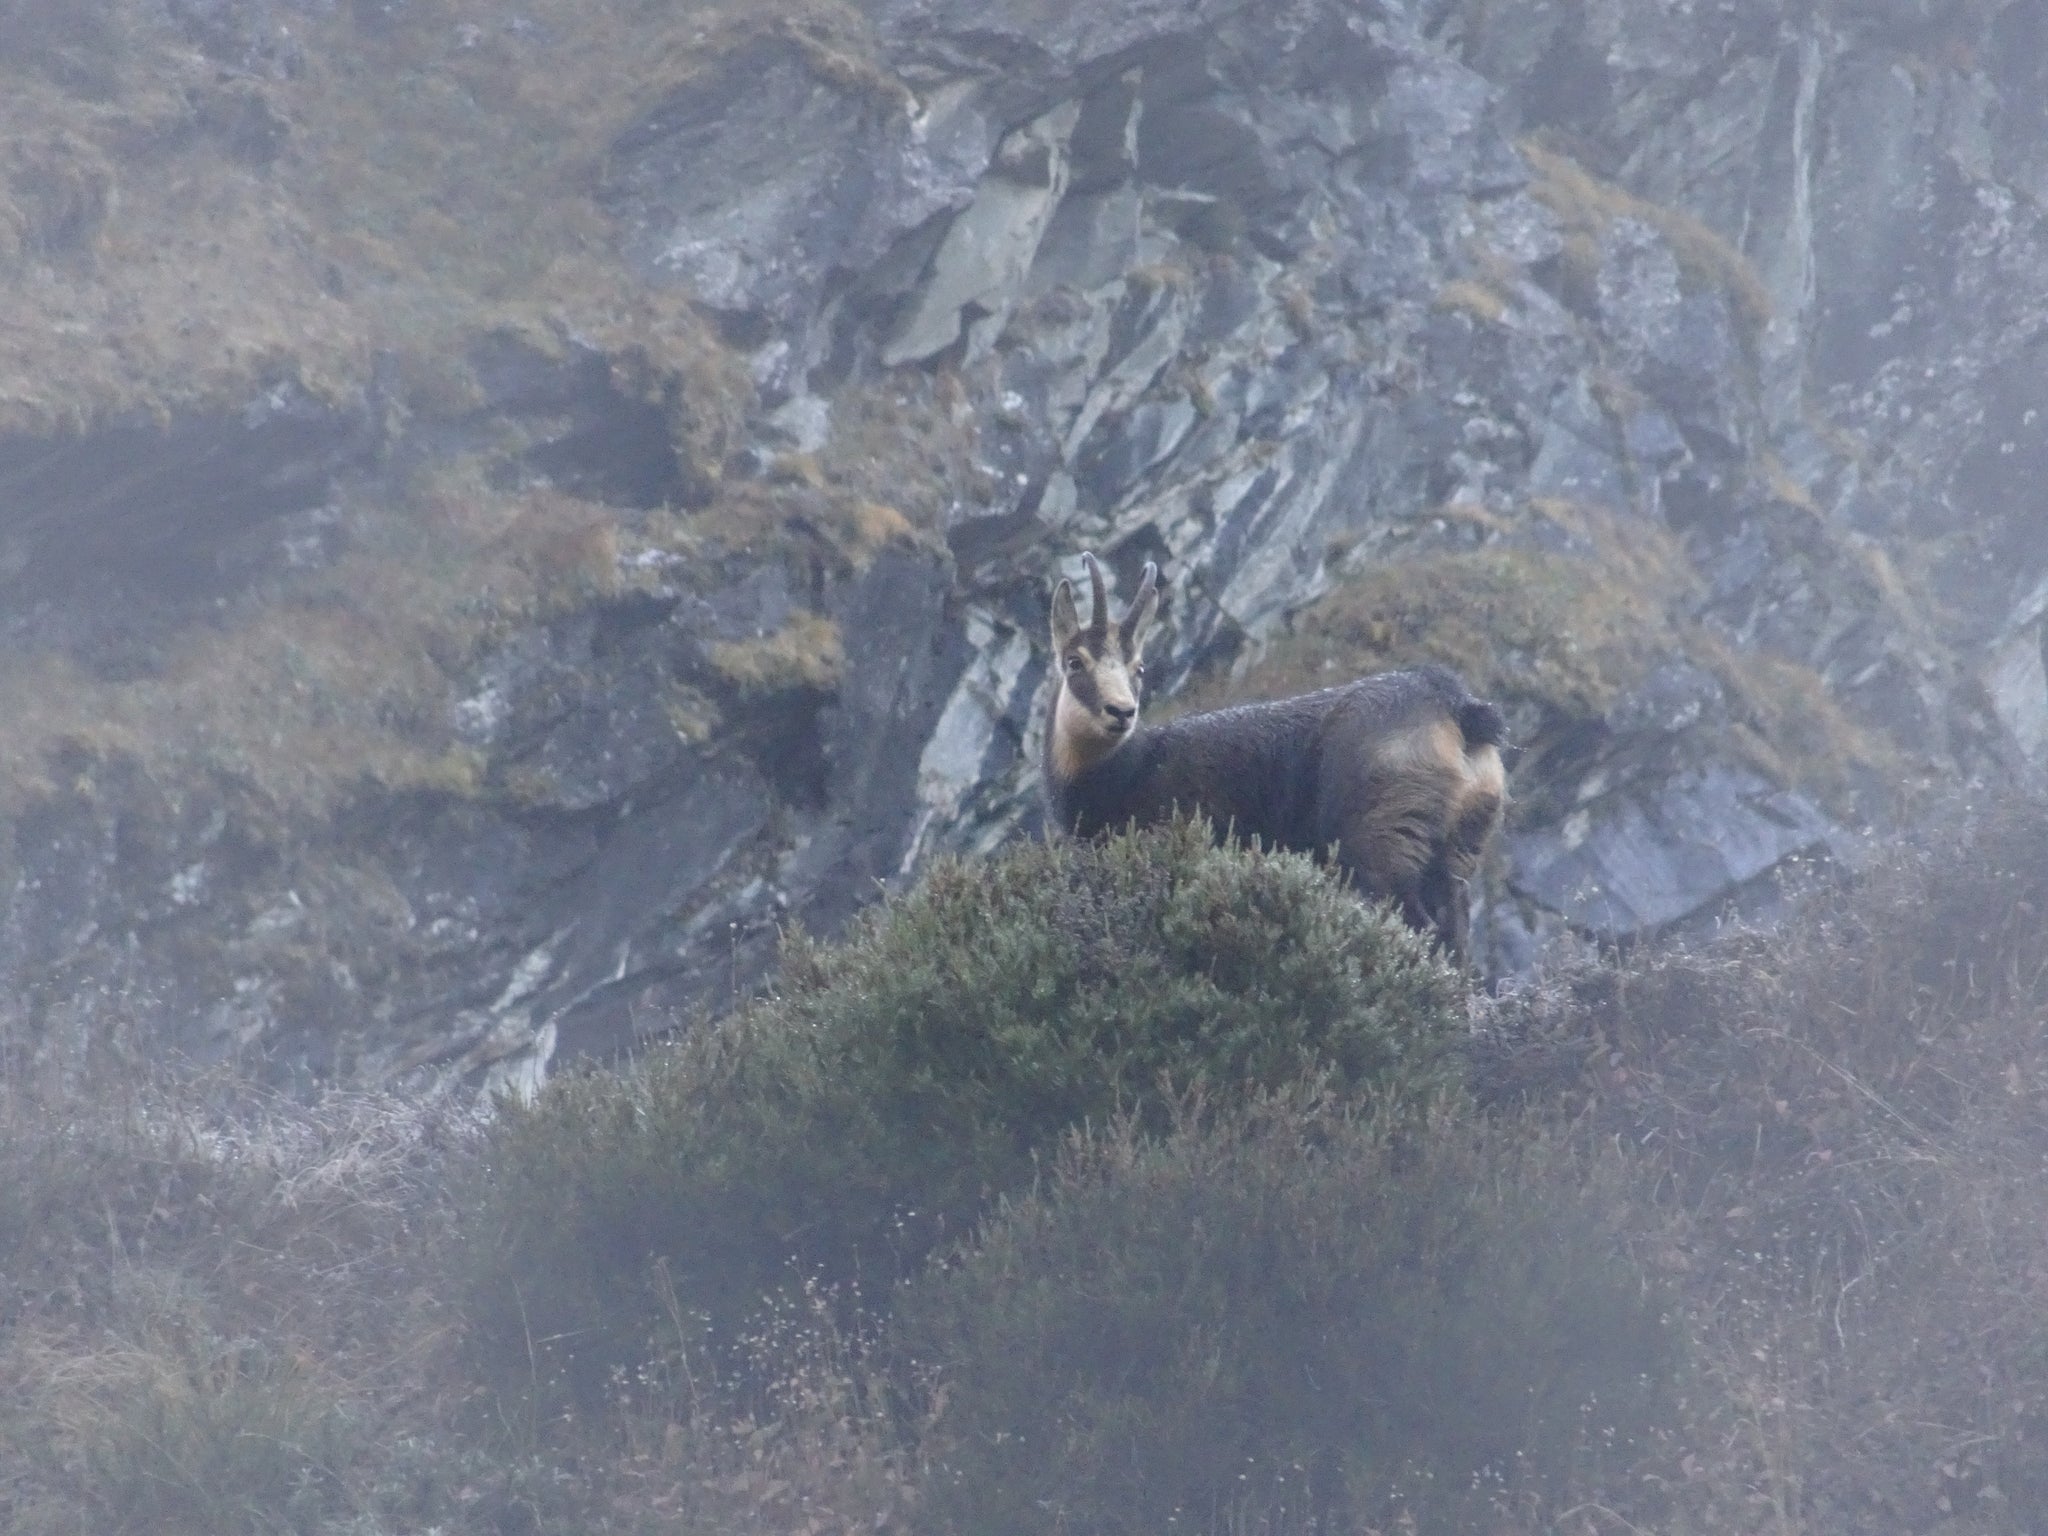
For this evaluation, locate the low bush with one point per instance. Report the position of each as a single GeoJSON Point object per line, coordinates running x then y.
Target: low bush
{"type": "Point", "coordinates": [1291, 1320]}
{"type": "Point", "coordinates": [1847, 1113]}
{"type": "Point", "coordinates": [894, 1083]}
{"type": "Point", "coordinates": [1300, 1309]}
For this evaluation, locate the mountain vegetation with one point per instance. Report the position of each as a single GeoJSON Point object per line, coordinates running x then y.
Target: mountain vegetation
{"type": "Point", "coordinates": [531, 1003]}
{"type": "Point", "coordinates": [1139, 1187]}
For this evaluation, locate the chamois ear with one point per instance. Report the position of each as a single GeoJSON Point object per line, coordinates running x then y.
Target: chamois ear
{"type": "Point", "coordinates": [1144, 608]}
{"type": "Point", "coordinates": [1066, 623]}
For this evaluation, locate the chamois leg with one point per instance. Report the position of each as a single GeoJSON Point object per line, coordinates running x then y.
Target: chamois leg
{"type": "Point", "coordinates": [1455, 867]}
{"type": "Point", "coordinates": [1385, 851]}
{"type": "Point", "coordinates": [1445, 901]}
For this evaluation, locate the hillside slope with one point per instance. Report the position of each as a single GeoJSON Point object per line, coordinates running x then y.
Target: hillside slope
{"type": "Point", "coordinates": [500, 511]}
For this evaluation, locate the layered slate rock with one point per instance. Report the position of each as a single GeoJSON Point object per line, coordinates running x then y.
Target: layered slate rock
{"type": "Point", "coordinates": [1276, 296]}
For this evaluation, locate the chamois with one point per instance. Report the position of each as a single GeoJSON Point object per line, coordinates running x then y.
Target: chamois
{"type": "Point", "coordinates": [1397, 776]}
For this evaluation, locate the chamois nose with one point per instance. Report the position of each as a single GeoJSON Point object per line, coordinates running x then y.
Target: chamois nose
{"type": "Point", "coordinates": [1120, 714]}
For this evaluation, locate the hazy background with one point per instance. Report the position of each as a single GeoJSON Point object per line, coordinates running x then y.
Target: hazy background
{"type": "Point", "coordinates": [508, 511]}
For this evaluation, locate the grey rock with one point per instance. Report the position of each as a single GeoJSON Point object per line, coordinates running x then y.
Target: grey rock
{"type": "Point", "coordinates": [1113, 461]}
{"type": "Point", "coordinates": [980, 267]}
{"type": "Point", "coordinates": [1678, 346]}
{"type": "Point", "coordinates": [2016, 680]}
{"type": "Point", "coordinates": [760, 184]}
{"type": "Point", "coordinates": [1452, 140]}
{"type": "Point", "coordinates": [1652, 440]}
{"type": "Point", "coordinates": [1183, 276]}
{"type": "Point", "coordinates": [978, 735]}
{"type": "Point", "coordinates": [1091, 241]}
{"type": "Point", "coordinates": [1040, 42]}
{"type": "Point", "coordinates": [1666, 853]}
{"type": "Point", "coordinates": [1577, 458]}
{"type": "Point", "coordinates": [1676, 696]}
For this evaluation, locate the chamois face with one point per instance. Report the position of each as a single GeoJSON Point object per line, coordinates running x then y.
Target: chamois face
{"type": "Point", "coordinates": [1101, 671]}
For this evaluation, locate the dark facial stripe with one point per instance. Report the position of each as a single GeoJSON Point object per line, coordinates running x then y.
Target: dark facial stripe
{"type": "Point", "coordinates": [1083, 685]}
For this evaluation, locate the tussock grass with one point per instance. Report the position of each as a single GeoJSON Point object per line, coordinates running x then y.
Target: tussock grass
{"type": "Point", "coordinates": [806, 653]}
{"type": "Point", "coordinates": [1470, 296]}
{"type": "Point", "coordinates": [216, 1306]}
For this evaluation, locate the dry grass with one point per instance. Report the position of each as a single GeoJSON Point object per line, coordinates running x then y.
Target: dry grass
{"type": "Point", "coordinates": [1845, 1118]}
{"type": "Point", "coordinates": [1587, 206]}
{"type": "Point", "coordinates": [808, 1444]}
{"type": "Point", "coordinates": [1785, 490]}
{"type": "Point", "coordinates": [1557, 636]}
{"type": "Point", "coordinates": [343, 678]}
{"type": "Point", "coordinates": [1468, 296]}
{"type": "Point", "coordinates": [907, 444]}
{"type": "Point", "coordinates": [1562, 635]}
{"type": "Point", "coordinates": [1790, 724]}
{"type": "Point", "coordinates": [806, 653]}
{"type": "Point", "coordinates": [215, 1303]}
{"type": "Point", "coordinates": [173, 237]}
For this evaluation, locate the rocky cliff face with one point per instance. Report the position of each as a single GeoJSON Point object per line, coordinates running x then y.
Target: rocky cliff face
{"type": "Point", "coordinates": [1673, 375]}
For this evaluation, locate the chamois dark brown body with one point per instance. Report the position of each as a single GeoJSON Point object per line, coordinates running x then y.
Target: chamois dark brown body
{"type": "Point", "coordinates": [1396, 777]}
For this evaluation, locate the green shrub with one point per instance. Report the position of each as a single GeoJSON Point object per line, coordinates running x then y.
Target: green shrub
{"type": "Point", "coordinates": [895, 1082]}
{"type": "Point", "coordinates": [1288, 1320]}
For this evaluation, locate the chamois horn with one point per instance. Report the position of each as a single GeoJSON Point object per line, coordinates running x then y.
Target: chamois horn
{"type": "Point", "coordinates": [1138, 616]}
{"type": "Point", "coordinates": [1098, 615]}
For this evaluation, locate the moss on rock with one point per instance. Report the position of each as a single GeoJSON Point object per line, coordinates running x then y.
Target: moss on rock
{"type": "Point", "coordinates": [1587, 207]}
{"type": "Point", "coordinates": [1566, 633]}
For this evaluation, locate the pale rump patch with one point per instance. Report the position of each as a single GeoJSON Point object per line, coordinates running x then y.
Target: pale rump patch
{"type": "Point", "coordinates": [1475, 775]}
{"type": "Point", "coordinates": [1431, 797]}
{"type": "Point", "coordinates": [1485, 780]}
{"type": "Point", "coordinates": [1432, 746]}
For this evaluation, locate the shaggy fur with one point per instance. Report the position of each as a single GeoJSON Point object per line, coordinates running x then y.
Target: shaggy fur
{"type": "Point", "coordinates": [1398, 777]}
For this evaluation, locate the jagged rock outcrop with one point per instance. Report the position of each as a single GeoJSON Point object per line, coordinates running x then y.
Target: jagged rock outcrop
{"type": "Point", "coordinates": [1684, 365]}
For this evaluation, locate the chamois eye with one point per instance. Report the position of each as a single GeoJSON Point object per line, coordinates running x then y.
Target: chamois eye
{"type": "Point", "coordinates": [1073, 663]}
{"type": "Point", "coordinates": [1139, 670]}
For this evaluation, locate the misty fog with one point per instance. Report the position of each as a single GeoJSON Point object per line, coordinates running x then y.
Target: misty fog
{"type": "Point", "coordinates": [539, 991]}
